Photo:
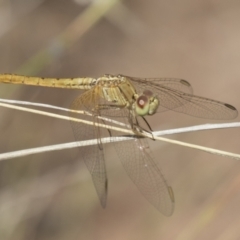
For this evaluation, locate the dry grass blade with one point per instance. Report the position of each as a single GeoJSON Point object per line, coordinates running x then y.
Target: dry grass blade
{"type": "Point", "coordinates": [5, 156]}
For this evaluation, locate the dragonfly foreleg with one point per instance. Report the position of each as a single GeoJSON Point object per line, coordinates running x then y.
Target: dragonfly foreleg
{"type": "Point", "coordinates": [137, 128]}
{"type": "Point", "coordinates": [110, 106]}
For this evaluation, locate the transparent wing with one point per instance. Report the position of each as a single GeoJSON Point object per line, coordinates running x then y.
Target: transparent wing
{"type": "Point", "coordinates": [93, 156]}
{"type": "Point", "coordinates": [138, 162]}
{"type": "Point", "coordinates": [173, 83]}
{"type": "Point", "coordinates": [174, 98]}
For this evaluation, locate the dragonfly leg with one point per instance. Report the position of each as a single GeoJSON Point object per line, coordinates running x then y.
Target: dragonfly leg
{"type": "Point", "coordinates": [110, 106]}
{"type": "Point", "coordinates": [136, 127]}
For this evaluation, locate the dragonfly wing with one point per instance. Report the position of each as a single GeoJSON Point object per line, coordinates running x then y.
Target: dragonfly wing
{"type": "Point", "coordinates": [154, 83]}
{"type": "Point", "coordinates": [93, 155]}
{"type": "Point", "coordinates": [138, 162]}
{"type": "Point", "coordinates": [181, 101]}
{"type": "Point", "coordinates": [197, 106]}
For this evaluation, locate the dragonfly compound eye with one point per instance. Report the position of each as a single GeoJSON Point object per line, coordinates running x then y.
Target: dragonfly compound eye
{"type": "Point", "coordinates": [153, 106]}
{"type": "Point", "coordinates": [148, 93]}
{"type": "Point", "coordinates": [142, 105]}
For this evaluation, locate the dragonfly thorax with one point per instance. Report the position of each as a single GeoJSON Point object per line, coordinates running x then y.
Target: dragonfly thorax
{"type": "Point", "coordinates": [117, 89]}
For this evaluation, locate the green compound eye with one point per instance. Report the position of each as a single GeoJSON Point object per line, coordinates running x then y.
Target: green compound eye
{"type": "Point", "coordinates": [142, 105]}
{"type": "Point", "coordinates": [148, 93]}
{"type": "Point", "coordinates": [146, 104]}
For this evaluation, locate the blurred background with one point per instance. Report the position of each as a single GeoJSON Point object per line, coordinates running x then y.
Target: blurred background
{"type": "Point", "coordinates": [51, 195]}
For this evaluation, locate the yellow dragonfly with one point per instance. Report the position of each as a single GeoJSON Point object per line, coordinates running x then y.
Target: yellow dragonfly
{"type": "Point", "coordinates": [129, 98]}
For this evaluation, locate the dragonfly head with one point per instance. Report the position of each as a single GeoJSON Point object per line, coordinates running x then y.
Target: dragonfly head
{"type": "Point", "coordinates": [146, 103]}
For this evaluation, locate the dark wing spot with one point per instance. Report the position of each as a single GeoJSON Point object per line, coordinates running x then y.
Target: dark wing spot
{"type": "Point", "coordinates": [184, 82]}
{"type": "Point", "coordinates": [106, 191]}
{"type": "Point", "coordinates": [230, 106]}
{"type": "Point", "coordinates": [170, 191]}
{"type": "Point", "coordinates": [106, 185]}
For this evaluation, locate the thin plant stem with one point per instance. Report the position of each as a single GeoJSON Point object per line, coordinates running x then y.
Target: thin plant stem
{"type": "Point", "coordinates": [133, 135]}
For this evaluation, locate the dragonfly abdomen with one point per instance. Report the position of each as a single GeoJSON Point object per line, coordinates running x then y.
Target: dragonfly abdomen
{"type": "Point", "coordinates": [73, 83]}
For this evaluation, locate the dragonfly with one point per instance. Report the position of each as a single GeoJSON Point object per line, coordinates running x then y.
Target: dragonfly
{"type": "Point", "coordinates": [129, 99]}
